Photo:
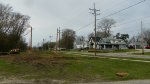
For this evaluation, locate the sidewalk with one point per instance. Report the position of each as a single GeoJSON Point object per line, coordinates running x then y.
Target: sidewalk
{"type": "Point", "coordinates": [122, 82]}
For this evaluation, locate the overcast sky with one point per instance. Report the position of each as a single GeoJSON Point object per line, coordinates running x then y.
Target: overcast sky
{"type": "Point", "coordinates": [48, 15]}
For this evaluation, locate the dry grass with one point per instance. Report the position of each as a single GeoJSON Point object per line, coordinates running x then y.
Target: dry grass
{"type": "Point", "coordinates": [37, 60]}
{"type": "Point", "coordinates": [70, 67]}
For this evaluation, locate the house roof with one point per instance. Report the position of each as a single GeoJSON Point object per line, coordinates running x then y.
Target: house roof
{"type": "Point", "coordinates": [108, 41]}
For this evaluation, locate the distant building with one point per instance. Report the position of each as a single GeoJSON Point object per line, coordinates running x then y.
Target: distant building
{"type": "Point", "coordinates": [80, 44]}
{"type": "Point", "coordinates": [92, 42]}
{"type": "Point", "coordinates": [107, 43]}
{"type": "Point", "coordinates": [136, 43]}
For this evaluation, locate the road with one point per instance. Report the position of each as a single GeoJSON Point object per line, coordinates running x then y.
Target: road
{"type": "Point", "coordinates": [122, 82]}
{"type": "Point", "coordinates": [127, 55]}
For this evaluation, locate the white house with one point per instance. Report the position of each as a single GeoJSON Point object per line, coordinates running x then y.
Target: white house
{"type": "Point", "coordinates": [80, 44]}
{"type": "Point", "coordinates": [112, 43]}
{"type": "Point", "coordinates": [92, 42]}
{"type": "Point", "coordinates": [107, 43]}
{"type": "Point", "coordinates": [136, 43]}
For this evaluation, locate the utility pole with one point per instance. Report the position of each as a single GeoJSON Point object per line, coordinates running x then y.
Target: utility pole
{"type": "Point", "coordinates": [83, 42]}
{"type": "Point", "coordinates": [59, 39]}
{"type": "Point", "coordinates": [30, 46]}
{"type": "Point", "coordinates": [50, 43]}
{"type": "Point", "coordinates": [95, 14]}
{"type": "Point", "coordinates": [134, 42]}
{"type": "Point", "coordinates": [43, 44]}
{"type": "Point", "coordinates": [142, 40]}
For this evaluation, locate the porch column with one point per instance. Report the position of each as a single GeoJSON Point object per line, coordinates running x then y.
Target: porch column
{"type": "Point", "coordinates": [104, 46]}
{"type": "Point", "coordinates": [112, 46]}
{"type": "Point", "coordinates": [119, 46]}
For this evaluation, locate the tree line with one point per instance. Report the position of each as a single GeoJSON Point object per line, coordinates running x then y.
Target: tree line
{"type": "Point", "coordinates": [12, 27]}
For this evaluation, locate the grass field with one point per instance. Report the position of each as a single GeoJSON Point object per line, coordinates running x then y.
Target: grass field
{"type": "Point", "coordinates": [41, 65]}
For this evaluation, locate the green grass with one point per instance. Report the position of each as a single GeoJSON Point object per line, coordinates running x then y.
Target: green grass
{"type": "Point", "coordinates": [113, 51]}
{"type": "Point", "coordinates": [7, 69]}
{"type": "Point", "coordinates": [71, 67]}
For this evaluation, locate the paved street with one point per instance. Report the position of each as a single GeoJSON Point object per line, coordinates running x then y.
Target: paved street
{"type": "Point", "coordinates": [123, 82]}
{"type": "Point", "coordinates": [128, 54]}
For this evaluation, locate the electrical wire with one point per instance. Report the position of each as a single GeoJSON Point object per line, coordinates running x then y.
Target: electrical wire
{"type": "Point", "coordinates": [115, 13]}
{"type": "Point", "coordinates": [124, 9]}
{"type": "Point", "coordinates": [84, 26]}
{"type": "Point", "coordinates": [112, 7]}
{"type": "Point", "coordinates": [133, 21]}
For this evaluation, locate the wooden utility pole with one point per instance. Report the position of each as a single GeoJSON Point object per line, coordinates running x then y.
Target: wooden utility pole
{"type": "Point", "coordinates": [50, 43]}
{"type": "Point", "coordinates": [142, 40]}
{"type": "Point", "coordinates": [134, 42]}
{"type": "Point", "coordinates": [57, 40]}
{"type": "Point", "coordinates": [43, 43]}
{"type": "Point", "coordinates": [30, 45]}
{"type": "Point", "coordinates": [95, 14]}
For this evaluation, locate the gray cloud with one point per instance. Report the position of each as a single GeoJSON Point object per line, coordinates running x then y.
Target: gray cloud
{"type": "Point", "coordinates": [29, 3]}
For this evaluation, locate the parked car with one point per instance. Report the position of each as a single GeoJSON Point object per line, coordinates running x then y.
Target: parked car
{"type": "Point", "coordinates": [14, 51]}
{"type": "Point", "coordinates": [147, 47]}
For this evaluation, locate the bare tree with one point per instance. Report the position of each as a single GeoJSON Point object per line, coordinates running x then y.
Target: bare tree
{"type": "Point", "coordinates": [68, 38]}
{"type": "Point", "coordinates": [17, 26]}
{"type": "Point", "coordinates": [90, 35]}
{"type": "Point", "coordinates": [12, 26]}
{"type": "Point", "coordinates": [98, 34]}
{"type": "Point", "coordinates": [105, 26]}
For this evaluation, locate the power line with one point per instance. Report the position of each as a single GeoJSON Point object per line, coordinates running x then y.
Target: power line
{"type": "Point", "coordinates": [124, 9]}
{"type": "Point", "coordinates": [93, 21]}
{"type": "Point", "coordinates": [85, 26]}
{"type": "Point", "coordinates": [133, 21]}
{"type": "Point", "coordinates": [115, 12]}
{"type": "Point", "coordinates": [131, 29]}
{"type": "Point", "coordinates": [113, 6]}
